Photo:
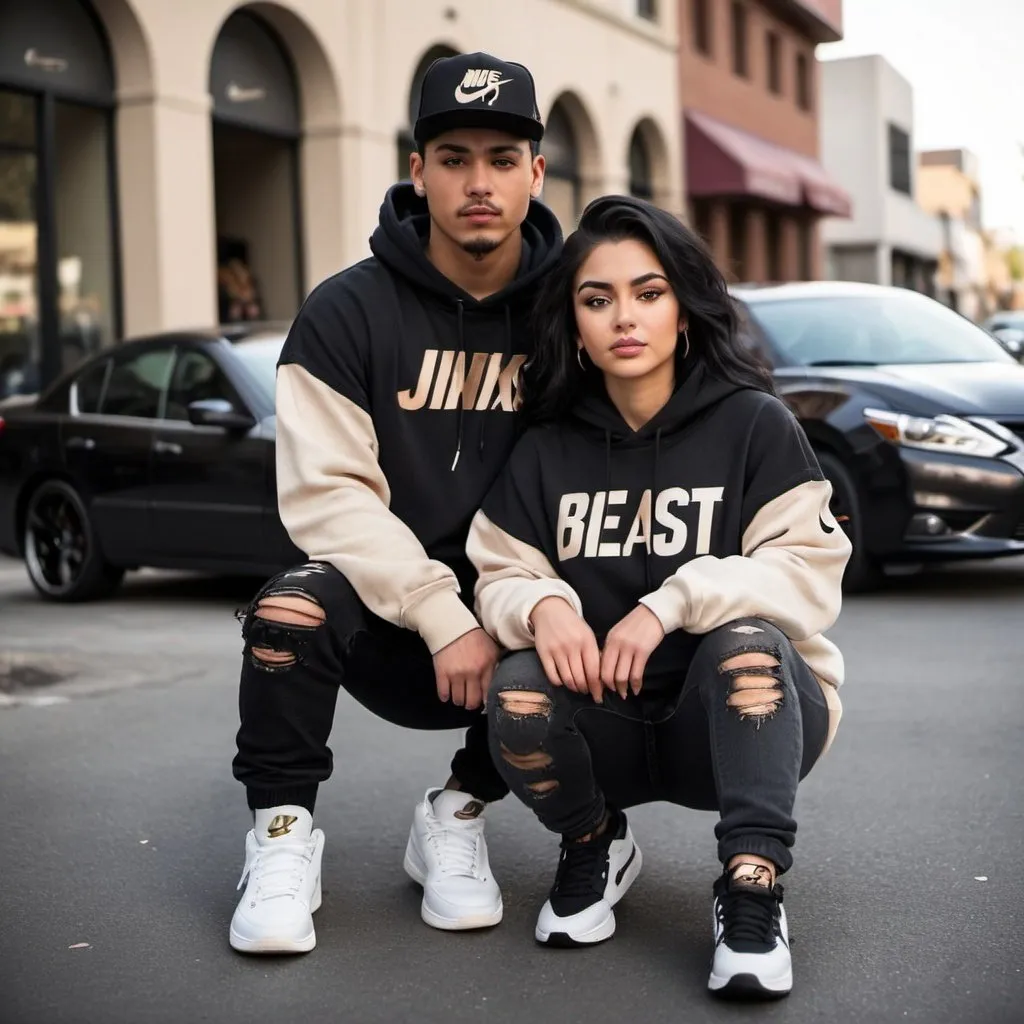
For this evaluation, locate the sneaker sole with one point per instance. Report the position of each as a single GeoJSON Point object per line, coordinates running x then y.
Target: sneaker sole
{"type": "Point", "coordinates": [563, 940]}
{"type": "Point", "coordinates": [468, 922]}
{"type": "Point", "coordinates": [603, 931]}
{"type": "Point", "coordinates": [749, 987]}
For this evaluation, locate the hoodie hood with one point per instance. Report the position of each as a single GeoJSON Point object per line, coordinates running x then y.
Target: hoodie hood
{"type": "Point", "coordinates": [698, 393]}
{"type": "Point", "coordinates": [400, 242]}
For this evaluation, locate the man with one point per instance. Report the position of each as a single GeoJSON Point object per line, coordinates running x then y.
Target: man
{"type": "Point", "coordinates": [395, 400]}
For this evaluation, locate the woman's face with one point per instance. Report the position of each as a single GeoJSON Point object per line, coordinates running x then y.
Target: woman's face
{"type": "Point", "coordinates": [627, 316]}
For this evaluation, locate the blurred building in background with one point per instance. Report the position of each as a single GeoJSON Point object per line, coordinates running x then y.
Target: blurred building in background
{"type": "Point", "coordinates": [171, 164]}
{"type": "Point", "coordinates": [949, 188]}
{"type": "Point", "coordinates": [867, 143]}
{"type": "Point", "coordinates": [749, 84]}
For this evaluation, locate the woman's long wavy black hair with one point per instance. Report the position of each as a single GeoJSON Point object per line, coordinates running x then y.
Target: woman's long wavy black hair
{"type": "Point", "coordinates": [552, 380]}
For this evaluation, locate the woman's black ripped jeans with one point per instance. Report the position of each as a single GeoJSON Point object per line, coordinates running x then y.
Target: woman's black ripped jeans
{"type": "Point", "coordinates": [747, 726]}
{"type": "Point", "coordinates": [287, 697]}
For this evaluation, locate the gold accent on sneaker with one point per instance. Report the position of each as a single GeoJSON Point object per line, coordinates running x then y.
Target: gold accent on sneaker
{"type": "Point", "coordinates": [281, 825]}
{"type": "Point", "coordinates": [472, 810]}
{"type": "Point", "coordinates": [752, 874]}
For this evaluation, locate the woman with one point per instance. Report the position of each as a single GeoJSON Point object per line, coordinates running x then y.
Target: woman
{"type": "Point", "coordinates": [660, 555]}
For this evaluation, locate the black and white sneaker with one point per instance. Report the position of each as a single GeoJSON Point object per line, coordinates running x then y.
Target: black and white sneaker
{"type": "Point", "coordinates": [592, 877]}
{"type": "Point", "coordinates": [751, 958]}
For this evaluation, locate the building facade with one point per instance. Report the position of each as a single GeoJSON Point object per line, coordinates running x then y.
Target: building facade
{"type": "Point", "coordinates": [749, 85]}
{"type": "Point", "coordinates": [867, 144]}
{"type": "Point", "coordinates": [168, 165]}
{"type": "Point", "coordinates": [950, 189]}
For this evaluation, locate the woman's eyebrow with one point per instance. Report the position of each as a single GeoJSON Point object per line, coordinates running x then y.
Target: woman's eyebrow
{"type": "Point", "coordinates": [642, 279]}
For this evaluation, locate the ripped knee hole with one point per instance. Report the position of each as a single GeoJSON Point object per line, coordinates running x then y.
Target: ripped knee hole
{"type": "Point", "coordinates": [526, 762]}
{"type": "Point", "coordinates": [544, 788]}
{"type": "Point", "coordinates": [522, 703]}
{"type": "Point", "coordinates": [275, 613]}
{"type": "Point", "coordinates": [753, 694]}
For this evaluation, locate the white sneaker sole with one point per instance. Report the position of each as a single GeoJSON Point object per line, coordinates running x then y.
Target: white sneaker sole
{"type": "Point", "coordinates": [750, 986]}
{"type": "Point", "coordinates": [467, 922]}
{"type": "Point", "coordinates": [605, 928]}
{"type": "Point", "coordinates": [270, 945]}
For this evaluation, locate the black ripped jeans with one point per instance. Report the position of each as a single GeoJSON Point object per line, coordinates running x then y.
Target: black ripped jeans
{"type": "Point", "coordinates": [287, 711]}
{"type": "Point", "coordinates": [693, 746]}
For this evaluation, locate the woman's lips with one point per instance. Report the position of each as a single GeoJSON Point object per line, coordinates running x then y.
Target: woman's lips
{"type": "Point", "coordinates": [627, 348]}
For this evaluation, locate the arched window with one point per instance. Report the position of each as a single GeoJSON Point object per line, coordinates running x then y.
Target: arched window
{"type": "Point", "coordinates": [641, 183]}
{"type": "Point", "coordinates": [562, 188]}
{"type": "Point", "coordinates": [256, 131]}
{"type": "Point", "coordinates": [406, 143]}
{"type": "Point", "coordinates": [59, 291]}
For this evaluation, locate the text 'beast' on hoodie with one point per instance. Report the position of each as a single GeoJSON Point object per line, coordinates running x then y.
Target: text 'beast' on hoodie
{"type": "Point", "coordinates": [395, 399]}
{"type": "Point", "coordinates": [715, 510]}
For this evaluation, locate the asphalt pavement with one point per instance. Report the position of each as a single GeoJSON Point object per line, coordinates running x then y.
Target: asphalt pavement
{"type": "Point", "coordinates": [122, 836]}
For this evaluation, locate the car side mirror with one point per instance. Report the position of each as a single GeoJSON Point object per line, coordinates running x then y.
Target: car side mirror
{"type": "Point", "coordinates": [218, 412]}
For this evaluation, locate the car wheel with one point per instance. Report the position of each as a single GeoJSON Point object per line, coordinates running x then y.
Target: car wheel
{"type": "Point", "coordinates": [62, 555]}
{"type": "Point", "coordinates": [863, 573]}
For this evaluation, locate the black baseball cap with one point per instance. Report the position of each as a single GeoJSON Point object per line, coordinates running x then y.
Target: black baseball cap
{"type": "Point", "coordinates": [476, 90]}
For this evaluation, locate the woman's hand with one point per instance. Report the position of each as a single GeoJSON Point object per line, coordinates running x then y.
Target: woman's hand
{"type": "Point", "coordinates": [630, 642]}
{"type": "Point", "coordinates": [567, 647]}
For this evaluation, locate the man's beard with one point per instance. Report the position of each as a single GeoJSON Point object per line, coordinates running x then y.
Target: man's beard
{"type": "Point", "coordinates": [480, 247]}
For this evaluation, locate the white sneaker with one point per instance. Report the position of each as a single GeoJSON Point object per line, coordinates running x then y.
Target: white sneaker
{"type": "Point", "coordinates": [752, 959]}
{"type": "Point", "coordinates": [447, 855]}
{"type": "Point", "coordinates": [282, 862]}
{"type": "Point", "coordinates": [592, 877]}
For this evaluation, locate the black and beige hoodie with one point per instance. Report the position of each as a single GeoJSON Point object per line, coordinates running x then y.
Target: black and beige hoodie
{"type": "Point", "coordinates": [395, 399]}
{"type": "Point", "coordinates": [715, 510]}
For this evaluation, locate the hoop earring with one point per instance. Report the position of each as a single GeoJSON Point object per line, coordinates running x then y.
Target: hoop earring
{"type": "Point", "coordinates": [579, 359]}
{"type": "Point", "coordinates": [686, 338]}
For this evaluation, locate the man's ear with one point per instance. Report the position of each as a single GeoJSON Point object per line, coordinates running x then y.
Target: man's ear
{"type": "Point", "coordinates": [416, 173]}
{"type": "Point", "coordinates": [537, 185]}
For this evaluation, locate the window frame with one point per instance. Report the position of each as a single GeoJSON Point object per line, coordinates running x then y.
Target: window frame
{"type": "Point", "coordinates": [773, 60]}
{"type": "Point", "coordinates": [899, 155]}
{"type": "Point", "coordinates": [123, 358]}
{"type": "Point", "coordinates": [647, 10]}
{"type": "Point", "coordinates": [702, 27]}
{"type": "Point", "coordinates": [740, 39]}
{"type": "Point", "coordinates": [804, 90]}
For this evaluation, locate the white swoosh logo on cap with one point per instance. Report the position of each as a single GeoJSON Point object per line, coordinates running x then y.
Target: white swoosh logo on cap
{"type": "Point", "coordinates": [468, 97]}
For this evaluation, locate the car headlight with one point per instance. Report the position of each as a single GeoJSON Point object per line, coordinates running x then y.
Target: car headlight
{"type": "Point", "coordinates": [936, 434]}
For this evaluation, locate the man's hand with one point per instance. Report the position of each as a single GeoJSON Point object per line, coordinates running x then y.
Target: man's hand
{"type": "Point", "coordinates": [464, 669]}
{"type": "Point", "coordinates": [630, 642]}
{"type": "Point", "coordinates": [567, 647]}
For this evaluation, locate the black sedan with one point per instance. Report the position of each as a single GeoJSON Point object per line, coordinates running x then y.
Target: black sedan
{"type": "Point", "coordinates": [916, 414]}
{"type": "Point", "coordinates": [159, 452]}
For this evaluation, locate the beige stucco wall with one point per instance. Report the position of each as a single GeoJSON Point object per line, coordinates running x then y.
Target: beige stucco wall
{"type": "Point", "coordinates": [355, 60]}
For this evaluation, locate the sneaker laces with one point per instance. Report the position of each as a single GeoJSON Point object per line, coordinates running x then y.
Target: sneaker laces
{"type": "Point", "coordinates": [748, 915]}
{"type": "Point", "coordinates": [457, 848]}
{"type": "Point", "coordinates": [580, 867]}
{"type": "Point", "coordinates": [278, 869]}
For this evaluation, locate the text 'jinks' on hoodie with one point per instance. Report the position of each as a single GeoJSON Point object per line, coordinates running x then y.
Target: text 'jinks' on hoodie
{"type": "Point", "coordinates": [715, 510]}
{"type": "Point", "coordinates": [395, 397]}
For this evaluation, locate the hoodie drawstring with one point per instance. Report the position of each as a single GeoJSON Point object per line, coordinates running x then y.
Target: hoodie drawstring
{"type": "Point", "coordinates": [462, 402]}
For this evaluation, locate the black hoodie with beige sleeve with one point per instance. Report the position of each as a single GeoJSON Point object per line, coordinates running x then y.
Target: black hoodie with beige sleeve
{"type": "Point", "coordinates": [395, 413]}
{"type": "Point", "coordinates": [715, 510]}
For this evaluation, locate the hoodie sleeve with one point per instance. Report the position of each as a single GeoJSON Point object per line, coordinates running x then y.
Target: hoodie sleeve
{"type": "Point", "coordinates": [333, 497]}
{"type": "Point", "coordinates": [505, 547]}
{"type": "Point", "coordinates": [793, 551]}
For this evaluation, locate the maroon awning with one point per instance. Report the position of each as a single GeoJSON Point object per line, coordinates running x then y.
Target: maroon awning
{"type": "Point", "coordinates": [726, 161]}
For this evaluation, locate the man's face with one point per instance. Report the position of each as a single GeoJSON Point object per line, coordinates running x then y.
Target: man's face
{"type": "Point", "coordinates": [478, 184]}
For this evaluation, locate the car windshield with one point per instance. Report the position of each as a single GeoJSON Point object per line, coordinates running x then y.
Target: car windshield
{"type": "Point", "coordinates": [873, 330]}
{"type": "Point", "coordinates": [260, 355]}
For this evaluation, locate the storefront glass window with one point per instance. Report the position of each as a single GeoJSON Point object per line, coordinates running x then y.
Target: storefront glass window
{"type": "Point", "coordinates": [83, 219]}
{"type": "Point", "coordinates": [19, 262]}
